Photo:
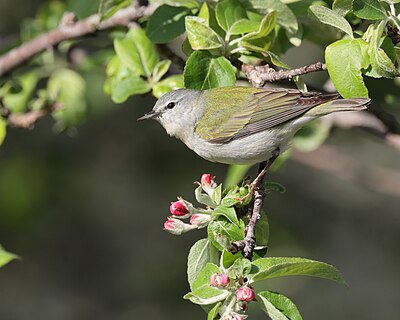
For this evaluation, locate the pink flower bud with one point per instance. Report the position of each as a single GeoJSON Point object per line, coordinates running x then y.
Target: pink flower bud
{"type": "Point", "coordinates": [178, 208]}
{"type": "Point", "coordinates": [245, 294]}
{"type": "Point", "coordinates": [208, 184]}
{"type": "Point", "coordinates": [177, 227]}
{"type": "Point", "coordinates": [219, 280]}
{"type": "Point", "coordinates": [200, 219]}
{"type": "Point", "coordinates": [206, 179]}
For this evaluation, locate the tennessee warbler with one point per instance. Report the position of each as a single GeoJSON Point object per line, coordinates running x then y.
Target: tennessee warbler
{"type": "Point", "coordinates": [243, 125]}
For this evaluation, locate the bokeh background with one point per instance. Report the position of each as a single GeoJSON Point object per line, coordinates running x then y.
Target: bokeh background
{"type": "Point", "coordinates": [85, 209]}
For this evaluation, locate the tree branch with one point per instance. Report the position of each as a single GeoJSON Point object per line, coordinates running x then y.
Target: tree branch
{"type": "Point", "coordinates": [393, 34]}
{"type": "Point", "coordinates": [247, 245]}
{"type": "Point", "coordinates": [28, 119]}
{"type": "Point", "coordinates": [69, 29]}
{"type": "Point", "coordinates": [260, 75]}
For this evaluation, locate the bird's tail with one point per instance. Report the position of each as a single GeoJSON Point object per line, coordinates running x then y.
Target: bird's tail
{"type": "Point", "coordinates": [355, 104]}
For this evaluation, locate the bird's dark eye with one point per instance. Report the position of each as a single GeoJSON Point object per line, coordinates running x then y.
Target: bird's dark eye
{"type": "Point", "coordinates": [171, 105]}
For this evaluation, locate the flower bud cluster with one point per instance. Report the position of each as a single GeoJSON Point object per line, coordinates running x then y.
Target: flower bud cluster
{"type": "Point", "coordinates": [243, 294]}
{"type": "Point", "coordinates": [183, 209]}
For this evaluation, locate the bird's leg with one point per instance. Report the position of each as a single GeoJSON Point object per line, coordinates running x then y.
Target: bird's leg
{"type": "Point", "coordinates": [248, 244]}
{"type": "Point", "coordinates": [258, 181]}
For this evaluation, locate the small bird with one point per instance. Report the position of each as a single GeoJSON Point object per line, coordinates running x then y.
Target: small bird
{"type": "Point", "coordinates": [243, 125]}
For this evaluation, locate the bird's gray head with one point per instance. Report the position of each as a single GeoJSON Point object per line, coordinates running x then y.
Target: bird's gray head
{"type": "Point", "coordinates": [176, 111]}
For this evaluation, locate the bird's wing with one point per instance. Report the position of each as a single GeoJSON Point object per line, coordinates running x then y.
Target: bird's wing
{"type": "Point", "coordinates": [261, 109]}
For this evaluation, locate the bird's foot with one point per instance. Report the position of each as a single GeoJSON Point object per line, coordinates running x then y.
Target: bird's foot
{"type": "Point", "coordinates": [253, 187]}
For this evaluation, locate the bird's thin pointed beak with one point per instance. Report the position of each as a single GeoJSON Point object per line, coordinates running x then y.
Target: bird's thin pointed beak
{"type": "Point", "coordinates": [149, 115]}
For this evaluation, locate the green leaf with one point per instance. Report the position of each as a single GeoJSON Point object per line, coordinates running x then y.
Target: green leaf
{"type": "Point", "coordinates": [241, 267]}
{"type": "Point", "coordinates": [256, 48]}
{"type": "Point", "coordinates": [244, 26]}
{"type": "Point", "coordinates": [262, 231]}
{"type": "Point", "coordinates": [277, 306]}
{"type": "Point", "coordinates": [234, 195]}
{"type": "Point", "coordinates": [213, 313]}
{"type": "Point", "coordinates": [369, 9]}
{"type": "Point", "coordinates": [191, 4]}
{"type": "Point", "coordinates": [267, 268]}
{"type": "Point", "coordinates": [342, 7]}
{"type": "Point", "coordinates": [203, 277]}
{"type": "Point", "coordinates": [227, 212]}
{"type": "Point", "coordinates": [228, 258]}
{"type": "Point", "coordinates": [207, 12]}
{"type": "Point", "coordinates": [171, 83]}
{"type": "Point", "coordinates": [204, 13]}
{"type": "Point", "coordinates": [166, 23]}
{"type": "Point", "coordinates": [204, 198]}
{"type": "Point", "coordinates": [277, 61]}
{"type": "Point", "coordinates": [108, 8]}
{"type": "Point", "coordinates": [235, 174]}
{"type": "Point", "coordinates": [160, 69]}
{"type": "Point", "coordinates": [122, 82]}
{"type": "Point", "coordinates": [266, 26]}
{"type": "Point", "coordinates": [204, 71]}
{"type": "Point", "coordinates": [381, 65]}
{"type": "Point", "coordinates": [3, 130]}
{"type": "Point", "coordinates": [274, 186]}
{"type": "Point", "coordinates": [272, 56]}
{"type": "Point", "coordinates": [344, 60]}
{"type": "Point", "coordinates": [200, 35]}
{"type": "Point", "coordinates": [331, 18]}
{"type": "Point", "coordinates": [286, 17]}
{"type": "Point", "coordinates": [207, 295]}
{"type": "Point", "coordinates": [217, 194]}
{"type": "Point", "coordinates": [201, 253]}
{"type": "Point", "coordinates": [67, 87]}
{"type": "Point", "coordinates": [6, 257]}
{"type": "Point", "coordinates": [228, 12]}
{"type": "Point", "coordinates": [18, 101]}
{"type": "Point", "coordinates": [137, 52]}
{"type": "Point", "coordinates": [127, 87]}
{"type": "Point", "coordinates": [222, 233]}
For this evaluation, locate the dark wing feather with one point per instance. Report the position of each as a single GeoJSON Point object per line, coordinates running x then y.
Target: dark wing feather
{"type": "Point", "coordinates": [272, 107]}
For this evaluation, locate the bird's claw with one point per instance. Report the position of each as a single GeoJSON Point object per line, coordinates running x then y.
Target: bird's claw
{"type": "Point", "coordinates": [253, 187]}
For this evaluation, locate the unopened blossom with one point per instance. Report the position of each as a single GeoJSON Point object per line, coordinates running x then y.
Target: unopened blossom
{"type": "Point", "coordinates": [200, 219]}
{"type": "Point", "coordinates": [219, 280]}
{"type": "Point", "coordinates": [179, 208]}
{"type": "Point", "coordinates": [245, 294]}
{"type": "Point", "coordinates": [208, 184]}
{"type": "Point", "coordinates": [177, 227]}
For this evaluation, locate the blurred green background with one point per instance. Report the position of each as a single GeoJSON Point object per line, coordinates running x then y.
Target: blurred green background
{"type": "Point", "coordinates": [85, 210]}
